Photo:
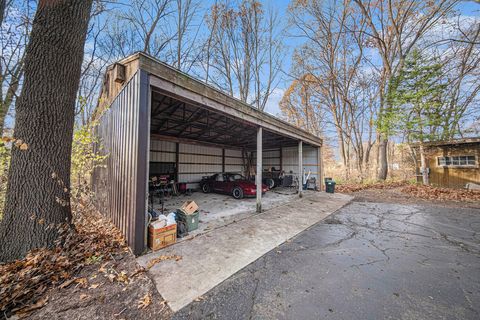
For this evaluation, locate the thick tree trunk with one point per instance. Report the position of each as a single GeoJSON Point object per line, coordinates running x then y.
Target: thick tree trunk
{"type": "Point", "coordinates": [423, 166]}
{"type": "Point", "coordinates": [3, 4]}
{"type": "Point", "coordinates": [38, 200]}
{"type": "Point", "coordinates": [382, 158]}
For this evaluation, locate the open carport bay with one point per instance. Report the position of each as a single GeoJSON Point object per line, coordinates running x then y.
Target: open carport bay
{"type": "Point", "coordinates": [158, 122]}
{"type": "Point", "coordinates": [217, 210]}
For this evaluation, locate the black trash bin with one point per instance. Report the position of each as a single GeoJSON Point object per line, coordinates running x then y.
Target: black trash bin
{"type": "Point", "coordinates": [330, 186]}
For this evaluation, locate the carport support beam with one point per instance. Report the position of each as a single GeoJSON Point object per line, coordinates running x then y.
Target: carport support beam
{"type": "Point", "coordinates": [320, 168]}
{"type": "Point", "coordinates": [300, 168]}
{"type": "Point", "coordinates": [258, 176]}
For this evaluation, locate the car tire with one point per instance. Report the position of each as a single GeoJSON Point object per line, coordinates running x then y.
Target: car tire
{"type": "Point", "coordinates": [206, 188]}
{"type": "Point", "coordinates": [270, 183]}
{"type": "Point", "coordinates": [237, 193]}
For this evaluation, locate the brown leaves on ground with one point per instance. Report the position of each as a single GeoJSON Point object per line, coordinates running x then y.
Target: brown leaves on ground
{"type": "Point", "coordinates": [355, 187]}
{"type": "Point", "coordinates": [145, 301]}
{"type": "Point", "coordinates": [154, 261]}
{"type": "Point", "coordinates": [24, 282]}
{"type": "Point", "coordinates": [417, 191]}
{"type": "Point", "coordinates": [442, 194]}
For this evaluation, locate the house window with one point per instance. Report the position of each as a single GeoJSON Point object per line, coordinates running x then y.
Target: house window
{"type": "Point", "coordinates": [457, 161]}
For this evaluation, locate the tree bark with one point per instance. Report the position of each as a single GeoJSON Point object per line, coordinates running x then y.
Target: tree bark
{"type": "Point", "coordinates": [382, 157]}
{"type": "Point", "coordinates": [3, 4]}
{"type": "Point", "coordinates": [423, 166]}
{"type": "Point", "coordinates": [38, 200]}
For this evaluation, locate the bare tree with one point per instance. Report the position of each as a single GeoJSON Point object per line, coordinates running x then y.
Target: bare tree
{"type": "Point", "coordinates": [187, 49]}
{"type": "Point", "coordinates": [301, 107]}
{"type": "Point", "coordinates": [462, 69]}
{"type": "Point", "coordinates": [164, 29]}
{"type": "Point", "coordinates": [14, 37]}
{"type": "Point", "coordinates": [332, 58]}
{"type": "Point", "coordinates": [3, 5]}
{"type": "Point", "coordinates": [244, 50]}
{"type": "Point", "coordinates": [37, 206]}
{"type": "Point", "coordinates": [93, 67]}
{"type": "Point", "coordinates": [394, 28]}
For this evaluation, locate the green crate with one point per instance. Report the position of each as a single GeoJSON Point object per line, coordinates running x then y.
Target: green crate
{"type": "Point", "coordinates": [190, 219]}
{"type": "Point", "coordinates": [330, 186]}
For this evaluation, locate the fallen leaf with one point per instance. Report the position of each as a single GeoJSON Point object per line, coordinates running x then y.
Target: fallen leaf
{"type": "Point", "coordinates": [154, 261]}
{"type": "Point", "coordinates": [138, 271]}
{"type": "Point", "coordinates": [145, 301]}
{"type": "Point", "coordinates": [122, 277]}
{"type": "Point", "coordinates": [67, 283]}
{"type": "Point", "coordinates": [82, 281]}
{"type": "Point", "coordinates": [94, 286]}
{"type": "Point", "coordinates": [102, 267]}
{"type": "Point", "coordinates": [23, 146]}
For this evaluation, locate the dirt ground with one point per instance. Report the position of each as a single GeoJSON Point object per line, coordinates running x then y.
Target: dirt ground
{"type": "Point", "coordinates": [395, 195]}
{"type": "Point", "coordinates": [117, 289]}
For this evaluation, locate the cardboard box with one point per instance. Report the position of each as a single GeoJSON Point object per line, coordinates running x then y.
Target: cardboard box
{"type": "Point", "coordinates": [162, 237]}
{"type": "Point", "coordinates": [189, 207]}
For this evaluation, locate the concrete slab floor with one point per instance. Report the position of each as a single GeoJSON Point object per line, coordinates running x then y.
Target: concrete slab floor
{"type": "Point", "coordinates": [367, 261]}
{"type": "Point", "coordinates": [210, 258]}
{"type": "Point", "coordinates": [218, 210]}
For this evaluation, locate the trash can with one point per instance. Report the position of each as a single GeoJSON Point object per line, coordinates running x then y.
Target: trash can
{"type": "Point", "coordinates": [330, 186]}
{"type": "Point", "coordinates": [191, 220]}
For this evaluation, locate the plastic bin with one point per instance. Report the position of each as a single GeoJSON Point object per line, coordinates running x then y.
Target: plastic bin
{"type": "Point", "coordinates": [330, 186]}
{"type": "Point", "coordinates": [190, 219]}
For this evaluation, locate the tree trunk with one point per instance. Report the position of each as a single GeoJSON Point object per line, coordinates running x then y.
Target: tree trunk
{"type": "Point", "coordinates": [382, 156]}
{"type": "Point", "coordinates": [38, 200]}
{"type": "Point", "coordinates": [423, 166]}
{"type": "Point", "coordinates": [3, 4]}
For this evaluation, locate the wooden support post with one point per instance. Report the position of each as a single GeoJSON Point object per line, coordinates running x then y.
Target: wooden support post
{"type": "Point", "coordinates": [320, 169]}
{"type": "Point", "coordinates": [258, 175]}
{"type": "Point", "coordinates": [300, 168]}
{"type": "Point", "coordinates": [177, 160]}
{"type": "Point", "coordinates": [223, 160]}
{"type": "Point", "coordinates": [281, 158]}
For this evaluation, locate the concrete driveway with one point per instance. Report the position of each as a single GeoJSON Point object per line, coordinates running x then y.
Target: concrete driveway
{"type": "Point", "coordinates": [212, 257]}
{"type": "Point", "coordinates": [367, 261]}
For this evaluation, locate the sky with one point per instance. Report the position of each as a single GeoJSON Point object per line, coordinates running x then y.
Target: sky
{"type": "Point", "coordinates": [467, 8]}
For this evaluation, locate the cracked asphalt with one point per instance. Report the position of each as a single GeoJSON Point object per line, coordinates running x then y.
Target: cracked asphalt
{"type": "Point", "coordinates": [367, 261]}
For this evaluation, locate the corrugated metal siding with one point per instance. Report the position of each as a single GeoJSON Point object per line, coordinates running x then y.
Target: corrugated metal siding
{"type": "Point", "coordinates": [120, 187]}
{"type": "Point", "coordinates": [162, 151]}
{"type": "Point", "coordinates": [310, 160]}
{"type": "Point", "coordinates": [271, 158]}
{"type": "Point", "coordinates": [233, 161]}
{"type": "Point", "coordinates": [195, 161]}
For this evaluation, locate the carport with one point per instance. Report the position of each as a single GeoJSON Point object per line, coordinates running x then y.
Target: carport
{"type": "Point", "coordinates": [156, 119]}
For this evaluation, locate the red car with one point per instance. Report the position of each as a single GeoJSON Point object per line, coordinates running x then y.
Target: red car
{"type": "Point", "coordinates": [230, 183]}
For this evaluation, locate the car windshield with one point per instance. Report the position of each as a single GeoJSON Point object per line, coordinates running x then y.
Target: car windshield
{"type": "Point", "coordinates": [235, 177]}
